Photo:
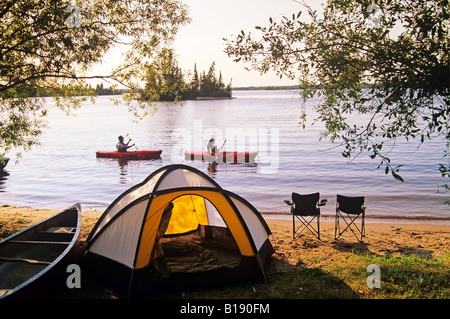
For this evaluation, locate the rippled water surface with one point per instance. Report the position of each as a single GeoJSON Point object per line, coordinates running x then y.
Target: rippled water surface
{"type": "Point", "coordinates": [65, 170]}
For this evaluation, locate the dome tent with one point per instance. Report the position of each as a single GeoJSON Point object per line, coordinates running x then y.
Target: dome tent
{"type": "Point", "coordinates": [177, 227]}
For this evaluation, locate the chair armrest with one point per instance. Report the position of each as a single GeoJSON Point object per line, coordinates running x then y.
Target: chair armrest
{"type": "Point", "coordinates": [288, 202]}
{"type": "Point", "coordinates": [323, 202]}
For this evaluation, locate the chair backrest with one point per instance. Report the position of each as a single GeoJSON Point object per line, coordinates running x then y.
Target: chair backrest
{"type": "Point", "coordinates": [350, 205]}
{"type": "Point", "coordinates": [305, 205]}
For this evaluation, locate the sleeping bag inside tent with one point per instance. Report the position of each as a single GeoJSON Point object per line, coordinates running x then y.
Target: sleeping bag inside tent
{"type": "Point", "coordinates": [176, 228]}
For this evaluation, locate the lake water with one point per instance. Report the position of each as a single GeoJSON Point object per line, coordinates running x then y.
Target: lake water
{"type": "Point", "coordinates": [64, 169]}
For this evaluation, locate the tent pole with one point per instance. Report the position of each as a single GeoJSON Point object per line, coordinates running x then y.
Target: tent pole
{"type": "Point", "coordinates": [131, 281]}
{"type": "Point", "coordinates": [261, 267]}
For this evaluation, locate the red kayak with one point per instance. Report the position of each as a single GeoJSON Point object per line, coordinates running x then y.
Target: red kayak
{"type": "Point", "coordinates": [138, 155]}
{"type": "Point", "coordinates": [222, 157]}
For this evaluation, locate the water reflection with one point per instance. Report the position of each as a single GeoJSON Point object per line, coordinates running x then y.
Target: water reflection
{"type": "Point", "coordinates": [123, 170]}
{"type": "Point", "coordinates": [3, 178]}
{"type": "Point", "coordinates": [214, 170]}
{"type": "Point", "coordinates": [127, 167]}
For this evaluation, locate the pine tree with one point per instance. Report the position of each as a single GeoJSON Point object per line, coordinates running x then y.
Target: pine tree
{"type": "Point", "coordinates": [195, 82]}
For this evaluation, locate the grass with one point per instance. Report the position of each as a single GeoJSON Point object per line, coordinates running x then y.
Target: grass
{"type": "Point", "coordinates": [5, 232]}
{"type": "Point", "coordinates": [21, 220]}
{"type": "Point", "coordinates": [405, 277]}
{"type": "Point", "coordinates": [401, 277]}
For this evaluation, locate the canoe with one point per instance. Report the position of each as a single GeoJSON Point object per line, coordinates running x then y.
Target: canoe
{"type": "Point", "coordinates": [132, 155]}
{"type": "Point", "coordinates": [222, 157]}
{"type": "Point", "coordinates": [34, 261]}
{"type": "Point", "coordinates": [3, 163]}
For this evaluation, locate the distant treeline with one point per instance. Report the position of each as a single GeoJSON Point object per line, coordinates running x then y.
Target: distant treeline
{"type": "Point", "coordinates": [268, 87]}
{"type": "Point", "coordinates": [100, 90]}
{"type": "Point", "coordinates": [292, 87]}
{"type": "Point", "coordinates": [204, 86]}
{"type": "Point", "coordinates": [35, 91]}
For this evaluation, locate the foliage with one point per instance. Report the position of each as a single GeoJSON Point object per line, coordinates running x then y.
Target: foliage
{"type": "Point", "coordinates": [210, 85]}
{"type": "Point", "coordinates": [387, 63]}
{"type": "Point", "coordinates": [164, 79]}
{"type": "Point", "coordinates": [53, 44]}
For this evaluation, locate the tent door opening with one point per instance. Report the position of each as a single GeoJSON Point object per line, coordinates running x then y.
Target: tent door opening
{"type": "Point", "coordinates": [193, 238]}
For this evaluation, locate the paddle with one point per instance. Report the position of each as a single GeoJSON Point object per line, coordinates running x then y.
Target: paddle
{"type": "Point", "coordinates": [223, 144]}
{"type": "Point", "coordinates": [128, 136]}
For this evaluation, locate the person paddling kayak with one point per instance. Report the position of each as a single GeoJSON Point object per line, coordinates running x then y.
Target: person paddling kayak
{"type": "Point", "coordinates": [121, 146]}
{"type": "Point", "coordinates": [211, 147]}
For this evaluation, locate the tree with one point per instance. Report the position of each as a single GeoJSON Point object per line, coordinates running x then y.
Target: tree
{"type": "Point", "coordinates": [52, 45]}
{"type": "Point", "coordinates": [191, 93]}
{"type": "Point", "coordinates": [386, 62]}
{"type": "Point", "coordinates": [208, 82]}
{"type": "Point", "coordinates": [165, 82]}
{"type": "Point", "coordinates": [211, 86]}
{"type": "Point", "coordinates": [164, 79]}
{"type": "Point", "coordinates": [195, 83]}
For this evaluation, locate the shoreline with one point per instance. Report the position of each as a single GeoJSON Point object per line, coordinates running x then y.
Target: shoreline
{"type": "Point", "coordinates": [282, 216]}
{"type": "Point", "coordinates": [212, 98]}
{"type": "Point", "coordinates": [370, 219]}
{"type": "Point", "coordinates": [19, 217]}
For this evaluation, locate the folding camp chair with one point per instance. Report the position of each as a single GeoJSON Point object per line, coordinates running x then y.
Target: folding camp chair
{"type": "Point", "coordinates": [349, 209]}
{"type": "Point", "coordinates": [305, 208]}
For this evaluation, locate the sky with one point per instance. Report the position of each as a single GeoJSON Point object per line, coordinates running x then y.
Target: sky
{"type": "Point", "coordinates": [201, 41]}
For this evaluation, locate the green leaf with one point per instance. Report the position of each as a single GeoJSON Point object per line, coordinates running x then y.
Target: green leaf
{"type": "Point", "coordinates": [397, 176]}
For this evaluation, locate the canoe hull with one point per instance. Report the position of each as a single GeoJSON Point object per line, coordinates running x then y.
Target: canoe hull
{"type": "Point", "coordinates": [3, 163]}
{"type": "Point", "coordinates": [132, 155]}
{"type": "Point", "coordinates": [34, 261]}
{"type": "Point", "coordinates": [222, 157]}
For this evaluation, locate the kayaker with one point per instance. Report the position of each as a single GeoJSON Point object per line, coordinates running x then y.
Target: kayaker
{"type": "Point", "coordinates": [121, 146]}
{"type": "Point", "coordinates": [211, 147]}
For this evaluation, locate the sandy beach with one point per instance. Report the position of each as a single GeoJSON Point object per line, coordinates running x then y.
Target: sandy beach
{"type": "Point", "coordinates": [426, 240]}
{"type": "Point", "coordinates": [383, 239]}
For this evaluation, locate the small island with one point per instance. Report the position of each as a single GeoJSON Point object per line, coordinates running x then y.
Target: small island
{"type": "Point", "coordinates": [165, 81]}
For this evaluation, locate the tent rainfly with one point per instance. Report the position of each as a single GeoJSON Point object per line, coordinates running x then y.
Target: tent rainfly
{"type": "Point", "coordinates": [177, 227]}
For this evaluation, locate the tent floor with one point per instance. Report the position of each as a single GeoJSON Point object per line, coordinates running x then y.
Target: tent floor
{"type": "Point", "coordinates": [204, 250]}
